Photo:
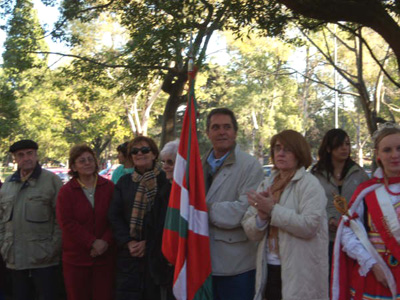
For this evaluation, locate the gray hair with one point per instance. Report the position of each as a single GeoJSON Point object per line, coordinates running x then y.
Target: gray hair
{"type": "Point", "coordinates": [170, 148]}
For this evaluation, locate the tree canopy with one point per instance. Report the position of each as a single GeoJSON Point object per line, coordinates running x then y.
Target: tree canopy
{"type": "Point", "coordinates": [128, 66]}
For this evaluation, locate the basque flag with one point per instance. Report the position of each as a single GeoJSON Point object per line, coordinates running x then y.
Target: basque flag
{"type": "Point", "coordinates": [185, 238]}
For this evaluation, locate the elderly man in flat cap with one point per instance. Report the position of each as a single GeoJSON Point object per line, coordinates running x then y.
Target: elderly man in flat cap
{"type": "Point", "coordinates": [30, 238]}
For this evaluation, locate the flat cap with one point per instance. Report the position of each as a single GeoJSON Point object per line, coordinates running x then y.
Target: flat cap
{"type": "Point", "coordinates": [23, 144]}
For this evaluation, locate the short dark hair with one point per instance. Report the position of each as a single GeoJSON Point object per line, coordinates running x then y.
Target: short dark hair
{"type": "Point", "coordinates": [77, 151]}
{"type": "Point", "coordinates": [296, 143]}
{"type": "Point", "coordinates": [146, 139]}
{"type": "Point", "coordinates": [222, 111]}
{"type": "Point", "coordinates": [123, 148]}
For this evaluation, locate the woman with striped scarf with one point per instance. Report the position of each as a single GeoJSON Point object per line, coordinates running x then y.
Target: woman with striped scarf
{"type": "Point", "coordinates": [133, 201]}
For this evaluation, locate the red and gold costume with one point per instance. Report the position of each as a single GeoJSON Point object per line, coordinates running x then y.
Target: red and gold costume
{"type": "Point", "coordinates": [378, 231]}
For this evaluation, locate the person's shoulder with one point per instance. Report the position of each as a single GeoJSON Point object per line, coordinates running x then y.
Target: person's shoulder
{"type": "Point", "coordinates": [7, 180]}
{"type": "Point", "coordinates": [162, 178]}
{"type": "Point", "coordinates": [316, 172]}
{"type": "Point", "coordinates": [366, 184]}
{"type": "Point", "coordinates": [104, 185]}
{"type": "Point", "coordinates": [243, 157]}
{"type": "Point", "coordinates": [118, 169]}
{"type": "Point", "coordinates": [362, 189]}
{"type": "Point", "coordinates": [46, 175]}
{"type": "Point", "coordinates": [309, 186]}
{"type": "Point", "coordinates": [104, 181]}
{"type": "Point", "coordinates": [124, 180]}
{"type": "Point", "coordinates": [357, 170]}
{"type": "Point", "coordinates": [322, 178]}
{"type": "Point", "coordinates": [5, 187]}
{"type": "Point", "coordinates": [307, 178]}
{"type": "Point", "coordinates": [67, 187]}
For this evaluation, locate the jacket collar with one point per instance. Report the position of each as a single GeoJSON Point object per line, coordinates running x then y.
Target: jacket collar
{"type": "Point", "coordinates": [354, 168]}
{"type": "Point", "coordinates": [100, 181]}
{"type": "Point", "coordinates": [297, 176]}
{"type": "Point", "coordinates": [209, 179]}
{"type": "Point", "coordinates": [230, 160]}
{"type": "Point", "coordinates": [35, 174]}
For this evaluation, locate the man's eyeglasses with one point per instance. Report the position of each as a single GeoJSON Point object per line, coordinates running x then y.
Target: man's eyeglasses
{"type": "Point", "coordinates": [168, 162]}
{"type": "Point", "coordinates": [144, 150]}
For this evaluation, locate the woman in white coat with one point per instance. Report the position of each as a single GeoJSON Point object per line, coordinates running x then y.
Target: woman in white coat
{"type": "Point", "coordinates": [287, 214]}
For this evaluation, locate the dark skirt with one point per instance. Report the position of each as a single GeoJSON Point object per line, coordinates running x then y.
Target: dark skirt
{"type": "Point", "coordinates": [133, 280]}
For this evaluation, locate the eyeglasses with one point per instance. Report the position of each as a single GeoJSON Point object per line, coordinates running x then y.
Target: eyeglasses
{"type": "Point", "coordinates": [144, 150]}
{"type": "Point", "coordinates": [83, 160]}
{"type": "Point", "coordinates": [168, 162]}
{"type": "Point", "coordinates": [278, 148]}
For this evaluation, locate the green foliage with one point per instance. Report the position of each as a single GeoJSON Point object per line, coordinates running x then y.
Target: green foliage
{"type": "Point", "coordinates": [8, 107]}
{"type": "Point", "coordinates": [125, 47]}
{"type": "Point", "coordinates": [24, 35]}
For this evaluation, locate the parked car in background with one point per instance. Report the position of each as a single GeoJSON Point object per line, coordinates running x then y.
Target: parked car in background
{"type": "Point", "coordinates": [62, 173]}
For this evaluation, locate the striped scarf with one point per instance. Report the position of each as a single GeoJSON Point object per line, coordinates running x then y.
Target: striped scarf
{"type": "Point", "coordinates": [144, 198]}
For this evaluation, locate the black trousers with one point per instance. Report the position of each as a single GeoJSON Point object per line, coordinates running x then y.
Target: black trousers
{"type": "Point", "coordinates": [273, 289]}
{"type": "Point", "coordinates": [27, 284]}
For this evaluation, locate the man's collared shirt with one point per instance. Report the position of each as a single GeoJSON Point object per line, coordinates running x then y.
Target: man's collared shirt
{"type": "Point", "coordinates": [215, 163]}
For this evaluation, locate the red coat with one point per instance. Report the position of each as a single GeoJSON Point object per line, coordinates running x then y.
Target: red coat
{"type": "Point", "coordinates": [81, 224]}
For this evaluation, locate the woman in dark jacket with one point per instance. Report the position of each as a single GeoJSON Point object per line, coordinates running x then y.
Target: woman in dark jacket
{"type": "Point", "coordinates": [130, 210]}
{"type": "Point", "coordinates": [82, 206]}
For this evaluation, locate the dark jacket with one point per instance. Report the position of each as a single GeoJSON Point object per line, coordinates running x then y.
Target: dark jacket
{"type": "Point", "coordinates": [120, 211]}
{"type": "Point", "coordinates": [82, 224]}
{"type": "Point", "coordinates": [133, 278]}
{"type": "Point", "coordinates": [160, 270]}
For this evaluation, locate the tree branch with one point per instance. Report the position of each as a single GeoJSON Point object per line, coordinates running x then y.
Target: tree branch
{"type": "Point", "coordinates": [102, 64]}
{"type": "Point", "coordinates": [341, 71]}
{"type": "Point", "coordinates": [319, 81]}
{"type": "Point", "coordinates": [381, 66]}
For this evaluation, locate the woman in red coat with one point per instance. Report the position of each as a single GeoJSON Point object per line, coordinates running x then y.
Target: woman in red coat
{"type": "Point", "coordinates": [82, 206]}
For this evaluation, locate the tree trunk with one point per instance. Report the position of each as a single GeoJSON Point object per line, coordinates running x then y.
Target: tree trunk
{"type": "Point", "coordinates": [173, 85]}
{"type": "Point", "coordinates": [370, 115]}
{"type": "Point", "coordinates": [99, 145]}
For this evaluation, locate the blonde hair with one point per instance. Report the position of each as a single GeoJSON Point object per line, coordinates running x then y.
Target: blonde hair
{"type": "Point", "coordinates": [384, 131]}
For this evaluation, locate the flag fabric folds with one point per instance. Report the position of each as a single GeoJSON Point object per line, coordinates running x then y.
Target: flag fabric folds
{"type": "Point", "coordinates": [185, 238]}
